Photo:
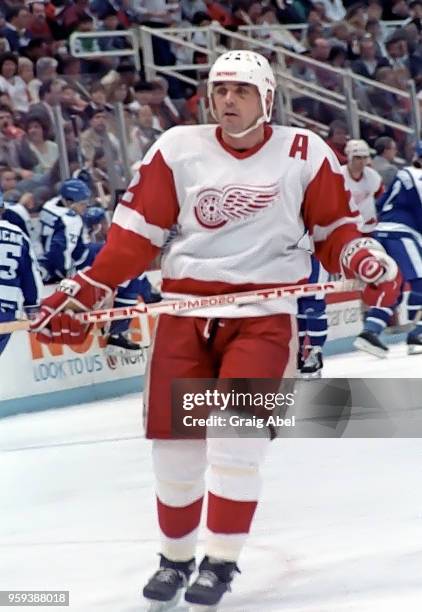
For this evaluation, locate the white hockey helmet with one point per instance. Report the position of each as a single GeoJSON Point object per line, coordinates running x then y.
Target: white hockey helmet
{"type": "Point", "coordinates": [356, 148]}
{"type": "Point", "coordinates": [244, 67]}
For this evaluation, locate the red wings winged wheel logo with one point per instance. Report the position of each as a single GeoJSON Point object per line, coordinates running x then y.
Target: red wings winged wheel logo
{"type": "Point", "coordinates": [216, 207]}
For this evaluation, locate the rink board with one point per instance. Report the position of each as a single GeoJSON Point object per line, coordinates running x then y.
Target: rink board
{"type": "Point", "coordinates": [35, 377]}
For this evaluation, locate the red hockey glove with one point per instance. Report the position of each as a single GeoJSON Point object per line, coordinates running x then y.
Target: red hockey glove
{"type": "Point", "coordinates": [366, 259]}
{"type": "Point", "coordinates": [56, 323]}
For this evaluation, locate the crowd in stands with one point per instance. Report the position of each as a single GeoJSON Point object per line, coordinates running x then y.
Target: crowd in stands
{"type": "Point", "coordinates": [37, 72]}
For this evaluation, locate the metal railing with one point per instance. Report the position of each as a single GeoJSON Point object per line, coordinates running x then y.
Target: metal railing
{"type": "Point", "coordinates": [344, 100]}
{"type": "Point", "coordinates": [76, 49]}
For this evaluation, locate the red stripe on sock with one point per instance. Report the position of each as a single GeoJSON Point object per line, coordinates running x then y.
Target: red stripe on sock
{"type": "Point", "coordinates": [229, 516]}
{"type": "Point", "coordinates": [179, 522]}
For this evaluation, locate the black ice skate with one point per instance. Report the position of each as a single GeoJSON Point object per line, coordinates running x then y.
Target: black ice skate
{"type": "Point", "coordinates": [164, 588]}
{"type": "Point", "coordinates": [121, 341]}
{"type": "Point", "coordinates": [370, 343]}
{"type": "Point", "coordinates": [212, 582]}
{"type": "Point", "coordinates": [414, 344]}
{"type": "Point", "coordinates": [311, 366]}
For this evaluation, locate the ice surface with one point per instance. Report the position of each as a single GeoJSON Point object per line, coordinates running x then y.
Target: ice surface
{"type": "Point", "coordinates": [339, 527]}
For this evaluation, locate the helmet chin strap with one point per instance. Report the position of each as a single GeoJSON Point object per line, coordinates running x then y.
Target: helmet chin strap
{"type": "Point", "coordinates": [257, 123]}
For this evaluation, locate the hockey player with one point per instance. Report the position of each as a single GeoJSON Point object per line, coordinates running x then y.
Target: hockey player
{"type": "Point", "coordinates": [312, 327]}
{"type": "Point", "coordinates": [20, 279]}
{"type": "Point", "coordinates": [400, 232]}
{"type": "Point", "coordinates": [23, 215]}
{"type": "Point", "coordinates": [63, 235]}
{"type": "Point", "coordinates": [95, 219]}
{"type": "Point", "coordinates": [363, 182]}
{"type": "Point", "coordinates": [243, 194]}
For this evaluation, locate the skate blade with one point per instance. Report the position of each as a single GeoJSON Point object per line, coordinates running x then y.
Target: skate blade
{"type": "Point", "coordinates": [163, 606]}
{"type": "Point", "coordinates": [197, 608]}
{"type": "Point", "coordinates": [414, 349]}
{"type": "Point", "coordinates": [363, 345]}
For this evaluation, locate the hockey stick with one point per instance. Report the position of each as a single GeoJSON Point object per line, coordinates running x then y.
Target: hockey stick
{"type": "Point", "coordinates": [195, 303]}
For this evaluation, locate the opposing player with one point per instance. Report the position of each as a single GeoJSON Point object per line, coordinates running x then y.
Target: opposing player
{"type": "Point", "coordinates": [20, 279]}
{"type": "Point", "coordinates": [242, 195]}
{"type": "Point", "coordinates": [363, 182]}
{"type": "Point", "coordinates": [127, 294]}
{"type": "Point", "coordinates": [400, 232]}
{"type": "Point", "coordinates": [24, 215]}
{"type": "Point", "coordinates": [312, 326]}
{"type": "Point", "coordinates": [63, 235]}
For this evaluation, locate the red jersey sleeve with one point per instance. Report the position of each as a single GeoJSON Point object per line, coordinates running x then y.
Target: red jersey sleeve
{"type": "Point", "coordinates": [327, 213]}
{"type": "Point", "coordinates": [141, 223]}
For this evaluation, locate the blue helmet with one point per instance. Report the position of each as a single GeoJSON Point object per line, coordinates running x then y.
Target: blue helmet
{"type": "Point", "coordinates": [94, 215]}
{"type": "Point", "coordinates": [75, 190]}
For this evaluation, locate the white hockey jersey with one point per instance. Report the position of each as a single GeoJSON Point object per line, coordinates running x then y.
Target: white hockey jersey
{"type": "Point", "coordinates": [364, 192]}
{"type": "Point", "coordinates": [239, 218]}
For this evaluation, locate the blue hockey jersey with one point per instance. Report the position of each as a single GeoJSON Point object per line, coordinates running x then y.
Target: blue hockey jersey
{"type": "Point", "coordinates": [17, 214]}
{"type": "Point", "coordinates": [20, 279]}
{"type": "Point", "coordinates": [400, 207]}
{"type": "Point", "coordinates": [64, 240]}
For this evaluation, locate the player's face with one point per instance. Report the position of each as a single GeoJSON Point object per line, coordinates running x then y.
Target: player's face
{"type": "Point", "coordinates": [357, 164]}
{"type": "Point", "coordinates": [237, 106]}
{"type": "Point", "coordinates": [80, 207]}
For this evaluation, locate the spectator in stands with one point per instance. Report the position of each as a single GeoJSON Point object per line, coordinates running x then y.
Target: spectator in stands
{"type": "Point", "coordinates": [383, 161]}
{"type": "Point", "coordinates": [395, 9]}
{"type": "Point", "coordinates": [374, 29]}
{"type": "Point", "coordinates": [46, 151]}
{"type": "Point", "coordinates": [280, 36]}
{"type": "Point", "coordinates": [118, 92]}
{"type": "Point", "coordinates": [314, 31]}
{"type": "Point", "coordinates": [72, 14]}
{"type": "Point", "coordinates": [71, 69]}
{"type": "Point", "coordinates": [292, 12]}
{"type": "Point", "coordinates": [49, 94]}
{"type": "Point", "coordinates": [386, 103]}
{"type": "Point", "coordinates": [26, 73]}
{"type": "Point", "coordinates": [368, 62]}
{"type": "Point", "coordinates": [14, 152]}
{"type": "Point", "coordinates": [110, 22]}
{"type": "Point", "coordinates": [35, 49]}
{"type": "Point", "coordinates": [338, 59]}
{"type": "Point", "coordinates": [415, 18]}
{"type": "Point", "coordinates": [100, 178]}
{"type": "Point", "coordinates": [8, 179]}
{"type": "Point", "coordinates": [332, 10]}
{"type": "Point", "coordinates": [39, 26]}
{"type": "Point", "coordinates": [71, 102]}
{"type": "Point", "coordinates": [190, 7]}
{"type": "Point", "coordinates": [161, 105]}
{"type": "Point", "coordinates": [144, 134]}
{"type": "Point", "coordinates": [337, 138]}
{"type": "Point", "coordinates": [143, 94]}
{"type": "Point", "coordinates": [340, 35]}
{"type": "Point", "coordinates": [357, 16]}
{"type": "Point", "coordinates": [98, 136]}
{"type": "Point", "coordinates": [11, 82]}
{"type": "Point", "coordinates": [45, 70]}
{"type": "Point", "coordinates": [98, 93]}
{"type": "Point", "coordinates": [399, 57]}
{"type": "Point", "coordinates": [16, 28]}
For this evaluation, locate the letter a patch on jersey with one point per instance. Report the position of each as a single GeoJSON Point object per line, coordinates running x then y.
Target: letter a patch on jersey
{"type": "Point", "coordinates": [299, 145]}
